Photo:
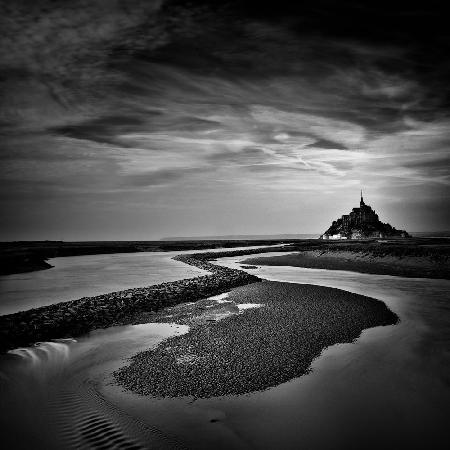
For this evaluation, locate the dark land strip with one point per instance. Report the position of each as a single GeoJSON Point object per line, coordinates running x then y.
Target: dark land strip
{"type": "Point", "coordinates": [363, 261]}
{"type": "Point", "coordinates": [256, 349]}
{"type": "Point", "coordinates": [28, 256]}
{"type": "Point", "coordinates": [414, 257]}
{"type": "Point", "coordinates": [77, 317]}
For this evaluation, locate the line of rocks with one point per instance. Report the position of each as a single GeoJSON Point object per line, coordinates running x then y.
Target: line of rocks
{"type": "Point", "coordinates": [77, 317]}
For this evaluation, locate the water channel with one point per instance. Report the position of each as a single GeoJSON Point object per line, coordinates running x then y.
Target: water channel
{"type": "Point", "coordinates": [390, 388]}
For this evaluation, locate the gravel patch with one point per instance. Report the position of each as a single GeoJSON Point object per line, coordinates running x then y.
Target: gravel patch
{"type": "Point", "coordinates": [258, 348]}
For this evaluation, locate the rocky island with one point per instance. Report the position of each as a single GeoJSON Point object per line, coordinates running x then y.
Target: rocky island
{"type": "Point", "coordinates": [361, 223]}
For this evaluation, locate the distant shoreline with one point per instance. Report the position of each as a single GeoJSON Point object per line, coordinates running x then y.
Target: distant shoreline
{"type": "Point", "coordinates": [21, 257]}
{"type": "Point", "coordinates": [413, 266]}
{"type": "Point", "coordinates": [244, 237]}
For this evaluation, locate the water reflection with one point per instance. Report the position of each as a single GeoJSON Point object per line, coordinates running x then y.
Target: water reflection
{"type": "Point", "coordinates": [74, 277]}
{"type": "Point", "coordinates": [388, 389]}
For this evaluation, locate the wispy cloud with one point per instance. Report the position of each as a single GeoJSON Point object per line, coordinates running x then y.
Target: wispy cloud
{"type": "Point", "coordinates": [156, 103]}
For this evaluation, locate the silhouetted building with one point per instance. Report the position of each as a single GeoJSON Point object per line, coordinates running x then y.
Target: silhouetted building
{"type": "Point", "coordinates": [361, 223]}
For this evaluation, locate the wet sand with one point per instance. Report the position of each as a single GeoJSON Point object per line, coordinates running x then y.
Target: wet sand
{"type": "Point", "coordinates": [50, 399]}
{"type": "Point", "coordinates": [263, 347]}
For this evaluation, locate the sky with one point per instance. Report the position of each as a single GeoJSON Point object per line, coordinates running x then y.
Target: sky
{"type": "Point", "coordinates": [141, 119]}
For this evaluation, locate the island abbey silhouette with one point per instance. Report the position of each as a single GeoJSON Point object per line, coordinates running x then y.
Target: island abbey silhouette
{"type": "Point", "coordinates": [361, 223]}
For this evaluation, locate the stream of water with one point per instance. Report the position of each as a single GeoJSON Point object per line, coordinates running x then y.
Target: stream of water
{"type": "Point", "coordinates": [388, 389]}
{"type": "Point", "coordinates": [73, 277]}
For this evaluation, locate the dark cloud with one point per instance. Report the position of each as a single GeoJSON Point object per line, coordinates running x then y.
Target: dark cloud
{"type": "Point", "coordinates": [187, 124]}
{"type": "Point", "coordinates": [279, 169]}
{"type": "Point", "coordinates": [161, 177]}
{"type": "Point", "coordinates": [64, 50]}
{"type": "Point", "coordinates": [103, 130]}
{"type": "Point", "coordinates": [433, 165]}
{"type": "Point", "coordinates": [47, 155]}
{"type": "Point", "coordinates": [324, 143]}
{"type": "Point", "coordinates": [110, 129]}
{"type": "Point", "coordinates": [95, 57]}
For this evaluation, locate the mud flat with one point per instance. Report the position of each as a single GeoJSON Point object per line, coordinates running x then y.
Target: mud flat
{"type": "Point", "coordinates": [363, 260]}
{"type": "Point", "coordinates": [257, 349]}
